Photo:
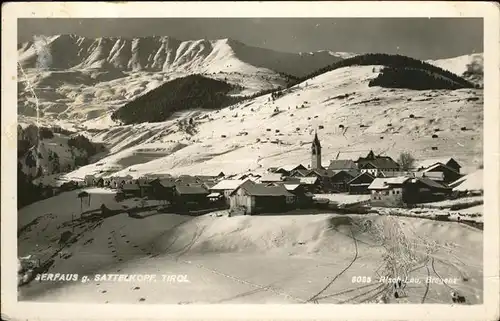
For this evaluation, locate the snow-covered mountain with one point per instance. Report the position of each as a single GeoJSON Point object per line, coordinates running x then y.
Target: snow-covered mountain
{"type": "Point", "coordinates": [79, 78]}
{"type": "Point", "coordinates": [167, 54]}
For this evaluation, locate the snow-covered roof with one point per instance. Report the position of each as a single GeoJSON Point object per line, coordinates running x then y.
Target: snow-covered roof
{"type": "Point", "coordinates": [228, 184]}
{"type": "Point", "coordinates": [338, 164]}
{"type": "Point", "coordinates": [470, 182]}
{"type": "Point", "coordinates": [384, 183]}
{"type": "Point", "coordinates": [266, 190]}
{"type": "Point", "coordinates": [290, 168]}
{"type": "Point", "coordinates": [430, 183]}
{"type": "Point", "coordinates": [291, 187]}
{"type": "Point", "coordinates": [430, 162]}
{"type": "Point", "coordinates": [433, 167]}
{"type": "Point", "coordinates": [271, 177]}
{"type": "Point", "coordinates": [308, 180]}
{"type": "Point", "coordinates": [438, 176]}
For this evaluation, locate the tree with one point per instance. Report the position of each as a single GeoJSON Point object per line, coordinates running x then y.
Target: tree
{"type": "Point", "coordinates": [406, 161]}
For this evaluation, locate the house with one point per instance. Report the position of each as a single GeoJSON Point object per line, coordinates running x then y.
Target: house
{"type": "Point", "coordinates": [250, 176]}
{"type": "Point", "coordinates": [449, 174]}
{"type": "Point", "coordinates": [360, 183]}
{"type": "Point", "coordinates": [251, 198]}
{"type": "Point", "coordinates": [377, 165]}
{"type": "Point", "coordinates": [225, 187]}
{"type": "Point", "coordinates": [145, 187]}
{"type": "Point", "coordinates": [300, 172]}
{"type": "Point", "coordinates": [449, 162]}
{"type": "Point", "coordinates": [187, 179]}
{"type": "Point", "coordinates": [380, 166]}
{"type": "Point", "coordinates": [421, 190]}
{"type": "Point", "coordinates": [303, 198]}
{"type": "Point", "coordinates": [342, 164]}
{"type": "Point", "coordinates": [99, 182]}
{"type": "Point", "coordinates": [189, 197]}
{"type": "Point", "coordinates": [310, 184]}
{"type": "Point", "coordinates": [130, 190]}
{"type": "Point", "coordinates": [401, 191]}
{"type": "Point", "coordinates": [206, 178]}
{"type": "Point", "coordinates": [89, 180]}
{"type": "Point", "coordinates": [163, 189]}
{"type": "Point", "coordinates": [339, 181]}
{"type": "Point", "coordinates": [107, 181]}
{"type": "Point", "coordinates": [387, 192]}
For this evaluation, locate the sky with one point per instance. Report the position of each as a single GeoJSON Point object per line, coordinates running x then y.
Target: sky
{"type": "Point", "coordinates": [421, 38]}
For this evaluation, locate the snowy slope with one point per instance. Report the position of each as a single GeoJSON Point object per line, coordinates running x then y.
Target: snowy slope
{"type": "Point", "coordinates": [248, 259]}
{"type": "Point", "coordinates": [245, 136]}
{"type": "Point", "coordinates": [470, 66]}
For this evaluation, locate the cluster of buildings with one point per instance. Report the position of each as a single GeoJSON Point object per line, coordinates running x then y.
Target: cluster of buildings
{"type": "Point", "coordinates": [294, 186]}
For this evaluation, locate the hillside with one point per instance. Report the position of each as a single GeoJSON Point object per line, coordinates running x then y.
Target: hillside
{"type": "Point", "coordinates": [260, 133]}
{"type": "Point", "coordinates": [191, 92]}
{"type": "Point", "coordinates": [403, 70]}
{"type": "Point", "coordinates": [43, 151]}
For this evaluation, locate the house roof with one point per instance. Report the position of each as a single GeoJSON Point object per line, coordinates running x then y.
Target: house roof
{"type": "Point", "coordinates": [167, 182]}
{"type": "Point", "coordinates": [130, 187]}
{"type": "Point", "coordinates": [337, 164]}
{"type": "Point", "coordinates": [271, 177]}
{"type": "Point", "coordinates": [322, 172]}
{"type": "Point", "coordinates": [385, 183]}
{"type": "Point", "coordinates": [228, 184]}
{"type": "Point", "coordinates": [264, 190]}
{"type": "Point", "coordinates": [429, 162]}
{"type": "Point", "coordinates": [206, 177]}
{"type": "Point", "coordinates": [431, 183]}
{"type": "Point", "coordinates": [433, 167]}
{"type": "Point", "coordinates": [290, 168]}
{"type": "Point", "coordinates": [302, 172]}
{"type": "Point", "coordinates": [360, 175]}
{"type": "Point", "coordinates": [431, 175]}
{"type": "Point", "coordinates": [308, 180]}
{"type": "Point", "coordinates": [291, 187]}
{"type": "Point", "coordinates": [190, 190]}
{"type": "Point", "coordinates": [383, 162]}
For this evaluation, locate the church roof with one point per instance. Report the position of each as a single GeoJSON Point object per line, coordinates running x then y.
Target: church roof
{"type": "Point", "coordinates": [316, 141]}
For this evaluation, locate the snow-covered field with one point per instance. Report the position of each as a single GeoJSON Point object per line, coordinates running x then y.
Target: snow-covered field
{"type": "Point", "coordinates": [248, 259]}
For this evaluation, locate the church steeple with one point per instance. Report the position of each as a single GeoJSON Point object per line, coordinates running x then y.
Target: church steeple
{"type": "Point", "coordinates": [316, 153]}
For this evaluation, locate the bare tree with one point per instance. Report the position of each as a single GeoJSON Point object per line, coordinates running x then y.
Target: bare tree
{"type": "Point", "coordinates": [406, 161]}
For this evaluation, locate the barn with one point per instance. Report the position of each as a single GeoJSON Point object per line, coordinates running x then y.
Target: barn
{"type": "Point", "coordinates": [360, 183]}
{"type": "Point", "coordinates": [250, 199]}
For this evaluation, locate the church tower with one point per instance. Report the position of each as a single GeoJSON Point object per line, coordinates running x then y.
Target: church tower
{"type": "Point", "coordinates": [316, 153]}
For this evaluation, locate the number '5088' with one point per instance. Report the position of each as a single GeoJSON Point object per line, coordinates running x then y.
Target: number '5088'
{"type": "Point", "coordinates": [361, 279]}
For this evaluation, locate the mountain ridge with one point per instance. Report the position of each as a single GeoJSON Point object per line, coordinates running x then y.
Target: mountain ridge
{"type": "Point", "coordinates": [165, 53]}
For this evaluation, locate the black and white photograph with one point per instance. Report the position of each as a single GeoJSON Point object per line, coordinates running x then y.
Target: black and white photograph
{"type": "Point", "coordinates": [175, 160]}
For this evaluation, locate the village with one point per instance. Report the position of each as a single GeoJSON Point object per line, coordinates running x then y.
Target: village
{"type": "Point", "coordinates": [380, 179]}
